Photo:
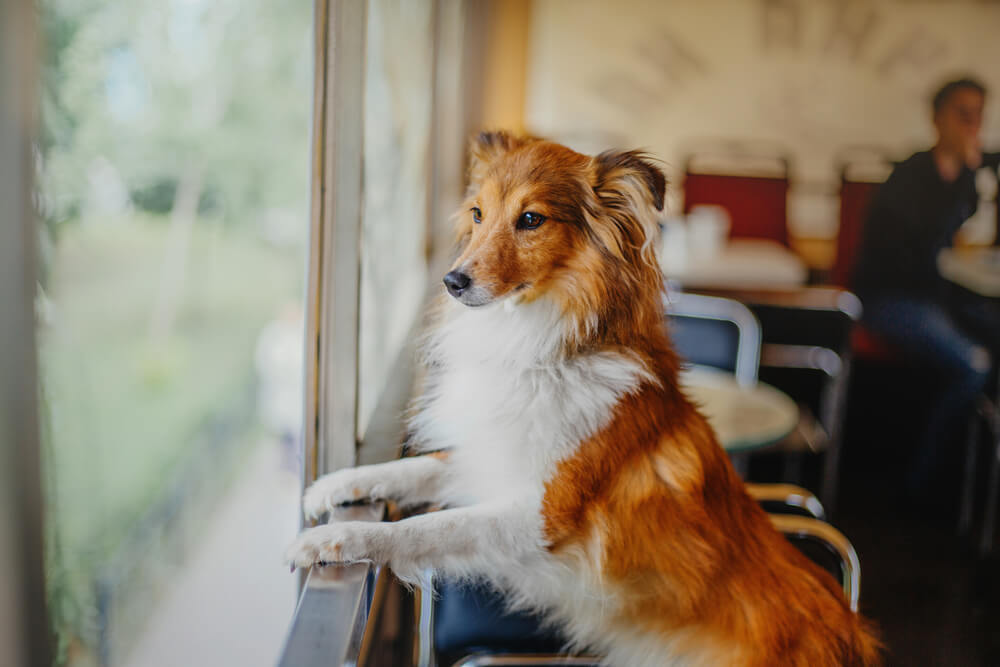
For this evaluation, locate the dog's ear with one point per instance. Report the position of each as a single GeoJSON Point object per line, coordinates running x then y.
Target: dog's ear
{"type": "Point", "coordinates": [486, 147]}
{"type": "Point", "coordinates": [618, 174]}
{"type": "Point", "coordinates": [628, 187]}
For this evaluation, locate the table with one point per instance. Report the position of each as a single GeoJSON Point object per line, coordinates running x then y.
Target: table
{"type": "Point", "coordinates": [743, 264]}
{"type": "Point", "coordinates": [975, 269]}
{"type": "Point", "coordinates": [744, 418]}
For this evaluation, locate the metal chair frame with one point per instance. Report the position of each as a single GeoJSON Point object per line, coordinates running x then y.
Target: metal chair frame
{"type": "Point", "coordinates": [789, 495]}
{"type": "Point", "coordinates": [698, 306]}
{"type": "Point", "coordinates": [799, 526]}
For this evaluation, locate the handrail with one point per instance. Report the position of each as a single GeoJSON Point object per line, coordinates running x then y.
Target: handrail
{"type": "Point", "coordinates": [332, 613]}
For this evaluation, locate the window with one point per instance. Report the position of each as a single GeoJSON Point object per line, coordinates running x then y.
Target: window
{"type": "Point", "coordinates": [399, 88]}
{"type": "Point", "coordinates": [174, 185]}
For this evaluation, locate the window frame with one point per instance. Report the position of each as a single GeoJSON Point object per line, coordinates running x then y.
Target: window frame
{"type": "Point", "coordinates": [333, 295]}
{"type": "Point", "coordinates": [332, 303]}
{"type": "Point", "coordinates": [25, 636]}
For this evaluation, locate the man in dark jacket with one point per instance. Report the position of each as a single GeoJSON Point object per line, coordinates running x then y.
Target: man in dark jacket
{"type": "Point", "coordinates": [906, 301]}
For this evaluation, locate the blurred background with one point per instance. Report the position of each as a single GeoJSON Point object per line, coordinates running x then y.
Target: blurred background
{"type": "Point", "coordinates": [173, 182]}
{"type": "Point", "coordinates": [174, 162]}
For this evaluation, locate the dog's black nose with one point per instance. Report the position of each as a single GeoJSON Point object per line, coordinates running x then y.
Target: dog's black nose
{"type": "Point", "coordinates": [456, 282]}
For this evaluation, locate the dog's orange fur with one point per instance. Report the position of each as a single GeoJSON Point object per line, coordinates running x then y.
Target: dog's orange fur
{"type": "Point", "coordinates": [651, 499]}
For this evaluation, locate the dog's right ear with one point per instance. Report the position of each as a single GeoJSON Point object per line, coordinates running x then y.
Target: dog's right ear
{"type": "Point", "coordinates": [486, 147]}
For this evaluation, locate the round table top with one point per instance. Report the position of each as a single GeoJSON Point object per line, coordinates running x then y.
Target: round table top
{"type": "Point", "coordinates": [743, 417]}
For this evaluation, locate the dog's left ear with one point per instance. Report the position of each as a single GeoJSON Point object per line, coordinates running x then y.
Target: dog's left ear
{"type": "Point", "coordinates": [488, 146]}
{"type": "Point", "coordinates": [620, 174]}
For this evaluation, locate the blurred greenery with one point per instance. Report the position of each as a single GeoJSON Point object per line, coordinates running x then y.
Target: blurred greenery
{"type": "Point", "coordinates": [158, 88]}
{"type": "Point", "coordinates": [123, 411]}
{"type": "Point", "coordinates": [173, 190]}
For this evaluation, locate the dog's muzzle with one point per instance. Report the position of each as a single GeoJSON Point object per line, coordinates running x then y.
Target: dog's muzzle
{"type": "Point", "coordinates": [457, 283]}
{"type": "Point", "coordinates": [461, 286]}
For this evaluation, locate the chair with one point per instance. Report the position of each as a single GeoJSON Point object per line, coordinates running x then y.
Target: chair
{"type": "Point", "coordinates": [717, 332]}
{"type": "Point", "coordinates": [494, 639]}
{"type": "Point", "coordinates": [750, 184]}
{"type": "Point", "coordinates": [861, 175]}
{"type": "Point", "coordinates": [827, 547]}
{"type": "Point", "coordinates": [806, 353]}
{"type": "Point", "coordinates": [786, 499]}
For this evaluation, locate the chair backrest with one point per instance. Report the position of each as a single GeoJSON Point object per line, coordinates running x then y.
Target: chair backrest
{"type": "Point", "coordinates": [717, 332]}
{"type": "Point", "coordinates": [813, 316]}
{"type": "Point", "coordinates": [757, 205]}
{"type": "Point", "coordinates": [805, 335]}
{"type": "Point", "coordinates": [855, 197]}
{"type": "Point", "coordinates": [860, 178]}
{"type": "Point", "coordinates": [786, 499]}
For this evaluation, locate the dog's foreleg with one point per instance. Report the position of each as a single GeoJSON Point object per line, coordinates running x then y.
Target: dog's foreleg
{"type": "Point", "coordinates": [479, 540]}
{"type": "Point", "coordinates": [409, 481]}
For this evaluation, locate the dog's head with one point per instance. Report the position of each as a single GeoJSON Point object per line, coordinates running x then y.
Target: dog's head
{"type": "Point", "coordinates": [541, 219]}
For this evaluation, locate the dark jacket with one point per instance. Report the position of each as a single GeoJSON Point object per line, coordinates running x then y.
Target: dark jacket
{"type": "Point", "coordinates": [912, 217]}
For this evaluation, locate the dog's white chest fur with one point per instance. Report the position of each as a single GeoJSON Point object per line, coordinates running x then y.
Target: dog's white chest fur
{"type": "Point", "coordinates": [508, 403]}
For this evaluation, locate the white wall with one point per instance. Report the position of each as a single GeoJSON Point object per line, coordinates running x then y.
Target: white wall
{"type": "Point", "coordinates": [813, 76]}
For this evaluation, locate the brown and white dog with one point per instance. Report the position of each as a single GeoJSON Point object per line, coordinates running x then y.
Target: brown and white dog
{"type": "Point", "coordinates": [579, 478]}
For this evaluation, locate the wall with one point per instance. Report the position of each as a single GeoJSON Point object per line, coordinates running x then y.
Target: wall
{"type": "Point", "coordinates": [808, 77]}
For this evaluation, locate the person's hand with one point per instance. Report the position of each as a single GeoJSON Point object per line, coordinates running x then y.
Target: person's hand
{"type": "Point", "coordinates": [973, 155]}
{"type": "Point", "coordinates": [949, 164]}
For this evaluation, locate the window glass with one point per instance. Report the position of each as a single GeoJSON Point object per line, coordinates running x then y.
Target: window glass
{"type": "Point", "coordinates": [174, 189]}
{"type": "Point", "coordinates": [397, 142]}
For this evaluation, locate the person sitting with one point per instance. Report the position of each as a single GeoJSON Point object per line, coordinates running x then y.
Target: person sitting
{"type": "Point", "coordinates": [915, 214]}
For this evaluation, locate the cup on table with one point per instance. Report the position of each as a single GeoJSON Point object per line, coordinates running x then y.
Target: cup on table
{"type": "Point", "coordinates": [673, 245]}
{"type": "Point", "coordinates": [707, 231]}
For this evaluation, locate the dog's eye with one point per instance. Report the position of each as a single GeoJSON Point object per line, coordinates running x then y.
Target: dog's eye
{"type": "Point", "coordinates": [530, 220]}
{"type": "Point", "coordinates": [477, 215]}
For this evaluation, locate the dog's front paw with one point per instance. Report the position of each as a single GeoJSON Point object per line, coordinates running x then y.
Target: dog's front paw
{"type": "Point", "coordinates": [347, 542]}
{"type": "Point", "coordinates": [338, 488]}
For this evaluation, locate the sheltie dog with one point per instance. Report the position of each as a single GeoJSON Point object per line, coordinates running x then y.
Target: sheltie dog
{"type": "Point", "coordinates": [574, 473]}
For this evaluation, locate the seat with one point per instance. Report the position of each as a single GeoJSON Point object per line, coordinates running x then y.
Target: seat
{"type": "Point", "coordinates": [751, 184]}
{"type": "Point", "coordinates": [481, 632]}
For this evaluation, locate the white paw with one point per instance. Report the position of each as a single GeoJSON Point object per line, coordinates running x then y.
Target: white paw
{"type": "Point", "coordinates": [347, 542]}
{"type": "Point", "coordinates": [344, 486]}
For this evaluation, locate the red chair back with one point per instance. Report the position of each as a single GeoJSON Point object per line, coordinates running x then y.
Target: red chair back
{"type": "Point", "coordinates": [757, 205]}
{"type": "Point", "coordinates": [855, 197]}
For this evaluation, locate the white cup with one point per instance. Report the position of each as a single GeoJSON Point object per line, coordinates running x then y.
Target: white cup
{"type": "Point", "coordinates": [707, 230]}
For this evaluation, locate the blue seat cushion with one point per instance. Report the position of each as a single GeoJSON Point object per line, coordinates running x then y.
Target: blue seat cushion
{"type": "Point", "coordinates": [472, 617]}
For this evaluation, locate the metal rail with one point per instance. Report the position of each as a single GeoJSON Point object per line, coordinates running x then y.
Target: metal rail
{"type": "Point", "coordinates": [332, 614]}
